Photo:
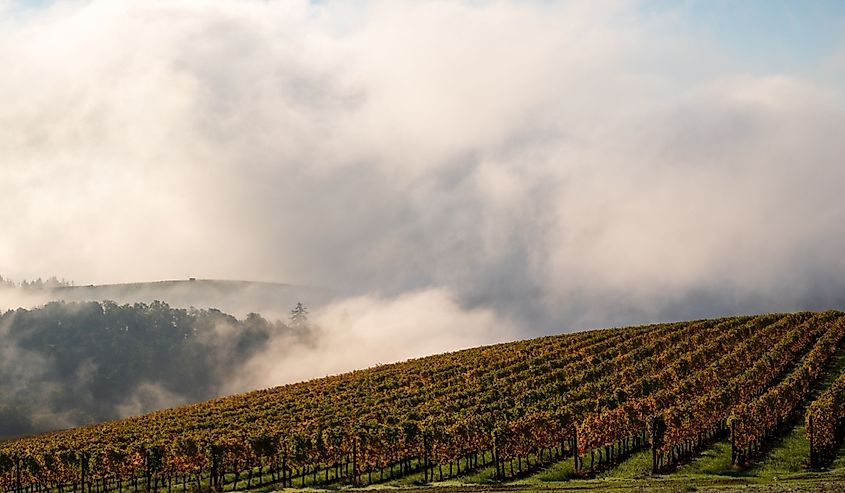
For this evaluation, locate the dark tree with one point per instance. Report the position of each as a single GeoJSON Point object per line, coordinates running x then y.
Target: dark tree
{"type": "Point", "coordinates": [299, 315]}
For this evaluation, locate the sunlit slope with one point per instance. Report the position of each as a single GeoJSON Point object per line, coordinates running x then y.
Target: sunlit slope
{"type": "Point", "coordinates": [599, 394]}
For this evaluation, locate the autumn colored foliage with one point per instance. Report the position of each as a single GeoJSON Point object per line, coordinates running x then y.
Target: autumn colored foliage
{"type": "Point", "coordinates": [596, 395]}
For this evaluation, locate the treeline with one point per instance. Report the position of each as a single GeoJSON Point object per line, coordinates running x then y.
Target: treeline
{"type": "Point", "coordinates": [66, 364]}
{"type": "Point", "coordinates": [50, 283]}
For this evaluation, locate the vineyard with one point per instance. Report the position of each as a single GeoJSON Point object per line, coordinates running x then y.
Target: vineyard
{"type": "Point", "coordinates": [593, 398]}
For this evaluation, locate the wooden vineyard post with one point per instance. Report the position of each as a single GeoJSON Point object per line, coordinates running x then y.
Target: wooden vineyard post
{"type": "Point", "coordinates": [354, 462]}
{"type": "Point", "coordinates": [575, 448]}
{"type": "Point", "coordinates": [658, 426]}
{"type": "Point", "coordinates": [425, 457]}
{"type": "Point", "coordinates": [813, 458]}
{"type": "Point", "coordinates": [734, 453]}
{"type": "Point", "coordinates": [496, 455]}
{"type": "Point", "coordinates": [654, 466]}
{"type": "Point", "coordinates": [285, 466]}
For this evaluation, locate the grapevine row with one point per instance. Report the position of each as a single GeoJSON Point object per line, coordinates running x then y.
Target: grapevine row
{"type": "Point", "coordinates": [825, 423]}
{"type": "Point", "coordinates": [755, 421]}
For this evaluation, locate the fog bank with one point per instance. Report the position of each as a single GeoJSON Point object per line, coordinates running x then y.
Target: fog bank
{"type": "Point", "coordinates": [521, 168]}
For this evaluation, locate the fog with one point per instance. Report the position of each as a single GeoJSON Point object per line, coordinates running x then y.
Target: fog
{"type": "Point", "coordinates": [367, 330]}
{"type": "Point", "coordinates": [455, 173]}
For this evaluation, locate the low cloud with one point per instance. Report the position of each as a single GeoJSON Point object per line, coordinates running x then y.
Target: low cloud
{"type": "Point", "coordinates": [560, 165]}
{"type": "Point", "coordinates": [148, 397]}
{"type": "Point", "coordinates": [370, 330]}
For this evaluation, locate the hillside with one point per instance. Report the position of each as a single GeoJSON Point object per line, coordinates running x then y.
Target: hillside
{"type": "Point", "coordinates": [663, 392]}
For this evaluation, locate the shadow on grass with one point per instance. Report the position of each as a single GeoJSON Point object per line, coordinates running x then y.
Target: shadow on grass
{"type": "Point", "coordinates": [715, 461]}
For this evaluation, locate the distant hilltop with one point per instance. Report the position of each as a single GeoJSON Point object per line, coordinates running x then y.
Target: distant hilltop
{"type": "Point", "coordinates": [232, 296]}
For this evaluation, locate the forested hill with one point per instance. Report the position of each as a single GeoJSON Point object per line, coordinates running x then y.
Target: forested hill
{"type": "Point", "coordinates": [67, 364]}
{"type": "Point", "coordinates": [591, 398]}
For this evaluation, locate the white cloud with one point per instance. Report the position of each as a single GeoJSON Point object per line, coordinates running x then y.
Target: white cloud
{"type": "Point", "coordinates": [565, 164]}
{"type": "Point", "coordinates": [368, 330]}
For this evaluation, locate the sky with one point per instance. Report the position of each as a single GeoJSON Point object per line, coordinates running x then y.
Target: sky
{"type": "Point", "coordinates": [765, 36]}
{"type": "Point", "coordinates": [521, 168]}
